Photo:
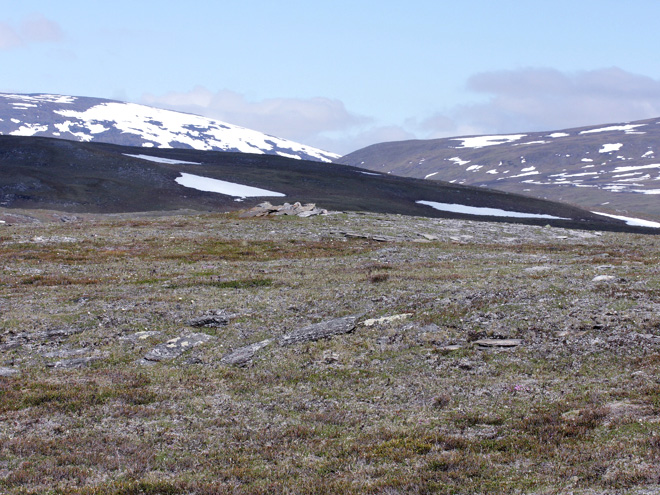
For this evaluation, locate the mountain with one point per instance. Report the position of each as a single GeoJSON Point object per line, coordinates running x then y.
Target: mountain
{"type": "Point", "coordinates": [70, 176]}
{"type": "Point", "coordinates": [129, 124]}
{"type": "Point", "coordinates": [612, 167]}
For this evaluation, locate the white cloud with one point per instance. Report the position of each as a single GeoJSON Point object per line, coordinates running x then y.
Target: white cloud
{"type": "Point", "coordinates": [33, 29]}
{"type": "Point", "coordinates": [9, 37]}
{"type": "Point", "coordinates": [36, 28]}
{"type": "Point", "coordinates": [311, 121]}
{"type": "Point", "coordinates": [541, 99]}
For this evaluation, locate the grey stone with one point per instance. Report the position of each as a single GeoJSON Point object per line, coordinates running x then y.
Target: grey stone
{"type": "Point", "coordinates": [175, 347]}
{"type": "Point", "coordinates": [7, 372]}
{"type": "Point", "coordinates": [604, 278]}
{"type": "Point", "coordinates": [243, 355]}
{"type": "Point", "coordinates": [73, 363]}
{"type": "Point", "coordinates": [138, 336]}
{"type": "Point", "coordinates": [498, 342]}
{"type": "Point", "coordinates": [214, 319]}
{"type": "Point", "coordinates": [64, 353]}
{"type": "Point", "coordinates": [319, 331]}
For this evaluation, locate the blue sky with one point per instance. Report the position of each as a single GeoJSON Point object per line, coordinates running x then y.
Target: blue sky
{"type": "Point", "coordinates": [344, 74]}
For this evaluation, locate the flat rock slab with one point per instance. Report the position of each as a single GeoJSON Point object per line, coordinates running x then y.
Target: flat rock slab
{"type": "Point", "coordinates": [498, 342]}
{"type": "Point", "coordinates": [140, 336]}
{"type": "Point", "coordinates": [175, 347]}
{"type": "Point", "coordinates": [386, 319]}
{"type": "Point", "coordinates": [7, 372]}
{"type": "Point", "coordinates": [243, 355]}
{"type": "Point", "coordinates": [323, 330]}
{"type": "Point", "coordinates": [65, 353]}
{"type": "Point", "coordinates": [214, 319]}
{"type": "Point", "coordinates": [74, 363]}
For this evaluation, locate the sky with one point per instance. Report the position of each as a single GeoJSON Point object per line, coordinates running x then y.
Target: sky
{"type": "Point", "coordinates": [343, 74]}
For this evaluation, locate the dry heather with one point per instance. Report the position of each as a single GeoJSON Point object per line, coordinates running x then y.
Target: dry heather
{"type": "Point", "coordinates": [523, 360]}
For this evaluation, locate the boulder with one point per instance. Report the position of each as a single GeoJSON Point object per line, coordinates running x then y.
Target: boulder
{"type": "Point", "coordinates": [323, 330]}
{"type": "Point", "coordinates": [243, 355]}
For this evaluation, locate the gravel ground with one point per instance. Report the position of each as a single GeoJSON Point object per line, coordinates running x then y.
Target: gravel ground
{"type": "Point", "coordinates": [347, 353]}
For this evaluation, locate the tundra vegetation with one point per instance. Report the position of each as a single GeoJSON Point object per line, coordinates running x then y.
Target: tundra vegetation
{"type": "Point", "coordinates": [457, 356]}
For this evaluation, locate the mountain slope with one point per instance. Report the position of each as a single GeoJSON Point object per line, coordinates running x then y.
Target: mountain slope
{"type": "Point", "coordinates": [128, 124]}
{"type": "Point", "coordinates": [612, 167]}
{"type": "Point", "coordinates": [96, 177]}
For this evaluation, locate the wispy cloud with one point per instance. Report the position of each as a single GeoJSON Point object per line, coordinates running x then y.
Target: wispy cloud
{"type": "Point", "coordinates": [312, 121]}
{"type": "Point", "coordinates": [33, 29]}
{"type": "Point", "coordinates": [532, 99]}
{"type": "Point", "coordinates": [538, 99]}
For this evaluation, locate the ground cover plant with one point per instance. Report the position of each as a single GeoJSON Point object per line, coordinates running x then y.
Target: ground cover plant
{"type": "Point", "coordinates": [484, 358]}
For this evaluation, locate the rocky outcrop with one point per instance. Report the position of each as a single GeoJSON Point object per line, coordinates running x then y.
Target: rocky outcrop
{"type": "Point", "coordinates": [175, 347]}
{"type": "Point", "coordinates": [296, 209]}
{"type": "Point", "coordinates": [243, 355]}
{"type": "Point", "coordinates": [213, 319]}
{"type": "Point", "coordinates": [323, 330]}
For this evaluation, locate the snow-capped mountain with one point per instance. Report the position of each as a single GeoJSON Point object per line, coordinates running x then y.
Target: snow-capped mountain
{"type": "Point", "coordinates": [129, 124]}
{"type": "Point", "coordinates": [612, 167]}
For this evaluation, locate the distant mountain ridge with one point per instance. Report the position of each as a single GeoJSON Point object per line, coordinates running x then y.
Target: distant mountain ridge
{"type": "Point", "coordinates": [129, 124]}
{"type": "Point", "coordinates": [79, 177]}
{"type": "Point", "coordinates": [612, 167]}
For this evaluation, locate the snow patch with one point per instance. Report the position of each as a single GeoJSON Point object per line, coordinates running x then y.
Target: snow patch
{"type": "Point", "coordinates": [556, 135]}
{"type": "Point", "coordinates": [627, 128]}
{"type": "Point", "coordinates": [431, 175]}
{"type": "Point", "coordinates": [223, 187]}
{"type": "Point", "coordinates": [482, 141]}
{"type": "Point", "coordinates": [609, 148]}
{"type": "Point", "coordinates": [619, 170]}
{"type": "Point", "coordinates": [458, 161]}
{"type": "Point", "coordinates": [636, 222]}
{"type": "Point", "coordinates": [158, 159]}
{"type": "Point", "coordinates": [29, 130]}
{"type": "Point", "coordinates": [484, 211]}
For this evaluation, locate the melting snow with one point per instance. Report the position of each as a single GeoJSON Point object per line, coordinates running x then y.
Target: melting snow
{"type": "Point", "coordinates": [627, 128]}
{"type": "Point", "coordinates": [608, 148]}
{"type": "Point", "coordinates": [458, 161]}
{"type": "Point", "coordinates": [618, 170]}
{"type": "Point", "coordinates": [473, 168]}
{"type": "Point", "coordinates": [558, 135]}
{"type": "Point", "coordinates": [431, 175]}
{"type": "Point", "coordinates": [166, 128]}
{"type": "Point", "coordinates": [647, 191]}
{"type": "Point", "coordinates": [525, 174]}
{"type": "Point", "coordinates": [40, 98]}
{"type": "Point", "coordinates": [157, 159]}
{"type": "Point", "coordinates": [647, 154]}
{"type": "Point", "coordinates": [637, 222]}
{"type": "Point", "coordinates": [483, 211]}
{"type": "Point", "coordinates": [223, 187]}
{"type": "Point", "coordinates": [29, 130]}
{"type": "Point", "coordinates": [482, 141]}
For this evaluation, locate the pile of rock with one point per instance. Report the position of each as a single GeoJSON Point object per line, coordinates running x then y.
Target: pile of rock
{"type": "Point", "coordinates": [295, 209]}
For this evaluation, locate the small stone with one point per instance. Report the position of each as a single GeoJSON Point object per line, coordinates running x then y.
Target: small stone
{"type": "Point", "coordinates": [498, 342]}
{"type": "Point", "coordinates": [603, 278]}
